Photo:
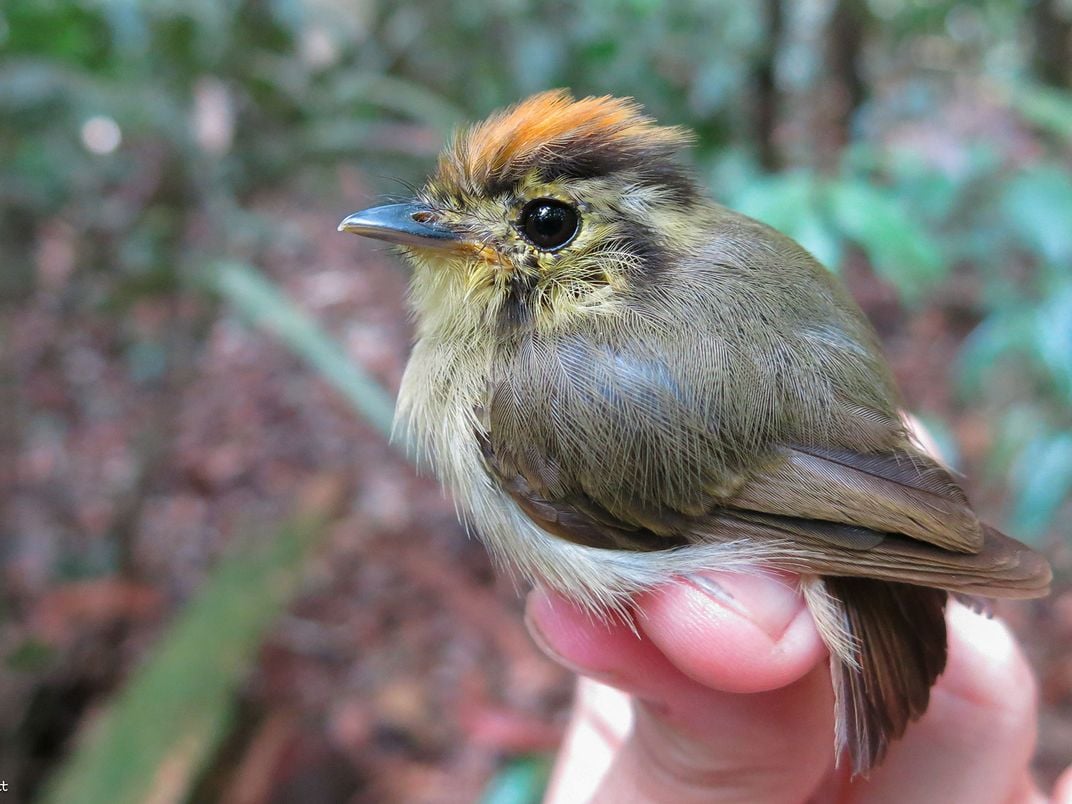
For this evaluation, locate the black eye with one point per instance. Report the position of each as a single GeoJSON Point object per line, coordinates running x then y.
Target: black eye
{"type": "Point", "coordinates": [549, 224]}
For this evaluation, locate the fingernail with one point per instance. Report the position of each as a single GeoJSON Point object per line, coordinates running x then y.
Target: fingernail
{"type": "Point", "coordinates": [770, 602]}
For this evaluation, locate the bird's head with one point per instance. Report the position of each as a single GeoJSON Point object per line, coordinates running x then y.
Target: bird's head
{"type": "Point", "coordinates": [552, 208]}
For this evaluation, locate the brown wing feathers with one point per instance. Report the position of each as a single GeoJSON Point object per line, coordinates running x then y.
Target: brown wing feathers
{"type": "Point", "coordinates": [1002, 568]}
{"type": "Point", "coordinates": [819, 536]}
{"type": "Point", "coordinates": [896, 492]}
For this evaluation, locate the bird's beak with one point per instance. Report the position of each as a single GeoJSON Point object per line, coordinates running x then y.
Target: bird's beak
{"type": "Point", "coordinates": [410, 224]}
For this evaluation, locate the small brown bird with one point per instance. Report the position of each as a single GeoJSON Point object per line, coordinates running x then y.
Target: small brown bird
{"type": "Point", "coordinates": [622, 382]}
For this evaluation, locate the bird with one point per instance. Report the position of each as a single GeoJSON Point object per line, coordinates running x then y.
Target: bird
{"type": "Point", "coordinates": [623, 382]}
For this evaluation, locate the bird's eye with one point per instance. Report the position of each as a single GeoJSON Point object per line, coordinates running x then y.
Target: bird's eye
{"type": "Point", "coordinates": [548, 224]}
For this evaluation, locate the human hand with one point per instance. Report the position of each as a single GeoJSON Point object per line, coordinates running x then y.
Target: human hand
{"type": "Point", "coordinates": [723, 694]}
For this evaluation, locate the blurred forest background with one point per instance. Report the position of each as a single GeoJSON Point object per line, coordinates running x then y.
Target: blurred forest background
{"type": "Point", "coordinates": [217, 580]}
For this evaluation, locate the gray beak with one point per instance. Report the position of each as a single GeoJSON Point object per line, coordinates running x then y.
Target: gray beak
{"type": "Point", "coordinates": [409, 224]}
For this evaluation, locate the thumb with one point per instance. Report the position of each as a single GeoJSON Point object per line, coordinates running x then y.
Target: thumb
{"type": "Point", "coordinates": [691, 652]}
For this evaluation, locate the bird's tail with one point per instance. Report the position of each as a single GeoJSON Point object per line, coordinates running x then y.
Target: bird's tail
{"type": "Point", "coordinates": [887, 646]}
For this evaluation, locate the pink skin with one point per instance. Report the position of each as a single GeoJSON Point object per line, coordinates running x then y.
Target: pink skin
{"type": "Point", "coordinates": [723, 694]}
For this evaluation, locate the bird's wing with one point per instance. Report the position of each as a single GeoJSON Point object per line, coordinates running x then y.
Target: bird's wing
{"type": "Point", "coordinates": [834, 545]}
{"type": "Point", "coordinates": [897, 491]}
{"type": "Point", "coordinates": [891, 514]}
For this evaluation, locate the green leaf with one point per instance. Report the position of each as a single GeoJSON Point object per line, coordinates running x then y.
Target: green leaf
{"type": "Point", "coordinates": [30, 656]}
{"type": "Point", "coordinates": [172, 715]}
{"type": "Point", "coordinates": [261, 303]}
{"type": "Point", "coordinates": [1038, 203]}
{"type": "Point", "coordinates": [1049, 109]}
{"type": "Point", "coordinates": [778, 200]}
{"type": "Point", "coordinates": [931, 194]}
{"type": "Point", "coordinates": [899, 249]}
{"type": "Point", "coordinates": [1053, 338]}
{"type": "Point", "coordinates": [406, 98]}
{"type": "Point", "coordinates": [520, 781]}
{"type": "Point", "coordinates": [792, 204]}
{"type": "Point", "coordinates": [1042, 483]}
{"type": "Point", "coordinates": [999, 335]}
{"type": "Point", "coordinates": [815, 234]}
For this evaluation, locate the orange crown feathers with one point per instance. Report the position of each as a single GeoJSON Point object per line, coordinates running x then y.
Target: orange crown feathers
{"type": "Point", "coordinates": [559, 136]}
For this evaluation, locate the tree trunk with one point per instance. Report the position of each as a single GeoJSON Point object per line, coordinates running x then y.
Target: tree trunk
{"type": "Point", "coordinates": [1052, 56]}
{"type": "Point", "coordinates": [843, 90]}
{"type": "Point", "coordinates": [767, 96]}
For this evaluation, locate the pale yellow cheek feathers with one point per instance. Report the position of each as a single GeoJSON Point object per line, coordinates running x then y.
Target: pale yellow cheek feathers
{"type": "Point", "coordinates": [466, 288]}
